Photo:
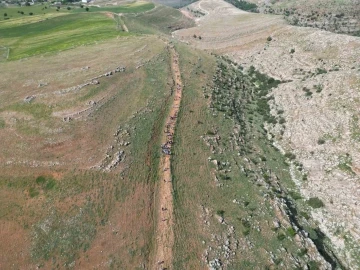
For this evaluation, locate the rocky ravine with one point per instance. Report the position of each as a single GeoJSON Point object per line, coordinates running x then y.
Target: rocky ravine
{"type": "Point", "coordinates": [319, 102]}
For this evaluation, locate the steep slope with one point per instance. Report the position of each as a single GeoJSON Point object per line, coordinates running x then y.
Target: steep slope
{"type": "Point", "coordinates": [317, 101]}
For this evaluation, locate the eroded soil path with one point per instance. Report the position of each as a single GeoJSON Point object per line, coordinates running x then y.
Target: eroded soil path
{"type": "Point", "coordinates": [164, 199]}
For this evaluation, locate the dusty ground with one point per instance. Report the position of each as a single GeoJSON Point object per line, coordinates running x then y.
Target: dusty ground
{"type": "Point", "coordinates": [165, 216]}
{"type": "Point", "coordinates": [57, 89]}
{"type": "Point", "coordinates": [319, 60]}
{"type": "Point", "coordinates": [72, 135]}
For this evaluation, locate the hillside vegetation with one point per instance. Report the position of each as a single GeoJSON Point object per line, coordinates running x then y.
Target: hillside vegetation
{"type": "Point", "coordinates": [331, 15]}
{"type": "Point", "coordinates": [315, 105]}
{"type": "Point", "coordinates": [82, 104]}
{"type": "Point", "coordinates": [138, 136]}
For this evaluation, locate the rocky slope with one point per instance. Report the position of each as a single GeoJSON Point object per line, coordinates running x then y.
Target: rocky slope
{"type": "Point", "coordinates": [319, 102]}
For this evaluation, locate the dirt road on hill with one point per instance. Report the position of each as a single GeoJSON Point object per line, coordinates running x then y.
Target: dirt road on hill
{"type": "Point", "coordinates": [164, 197]}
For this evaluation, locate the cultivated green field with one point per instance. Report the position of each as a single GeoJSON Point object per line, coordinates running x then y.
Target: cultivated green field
{"type": "Point", "coordinates": [24, 12]}
{"type": "Point", "coordinates": [38, 29]}
{"type": "Point", "coordinates": [136, 7]}
{"type": "Point", "coordinates": [56, 34]}
{"type": "Point", "coordinates": [44, 9]}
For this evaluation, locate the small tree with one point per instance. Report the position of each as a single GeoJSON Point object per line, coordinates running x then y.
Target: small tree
{"type": "Point", "coordinates": [5, 14]}
{"type": "Point", "coordinates": [68, 8]}
{"type": "Point", "coordinates": [269, 39]}
{"type": "Point", "coordinates": [31, 13]}
{"type": "Point", "coordinates": [87, 9]}
{"type": "Point", "coordinates": [195, 36]}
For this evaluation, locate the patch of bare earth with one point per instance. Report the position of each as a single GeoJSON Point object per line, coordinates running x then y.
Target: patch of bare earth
{"type": "Point", "coordinates": [70, 129]}
{"type": "Point", "coordinates": [165, 213]}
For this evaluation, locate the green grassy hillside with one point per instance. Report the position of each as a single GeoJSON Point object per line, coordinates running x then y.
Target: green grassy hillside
{"type": "Point", "coordinates": [162, 20]}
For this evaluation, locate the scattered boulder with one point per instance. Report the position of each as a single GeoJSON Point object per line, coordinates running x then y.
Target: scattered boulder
{"type": "Point", "coordinates": [28, 99]}
{"type": "Point", "coordinates": [215, 264]}
{"type": "Point", "coordinates": [120, 69]}
{"type": "Point", "coordinates": [67, 119]}
{"type": "Point", "coordinates": [276, 224]}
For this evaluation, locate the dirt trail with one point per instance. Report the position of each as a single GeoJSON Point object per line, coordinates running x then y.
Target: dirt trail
{"type": "Point", "coordinates": [123, 25]}
{"type": "Point", "coordinates": [119, 21]}
{"type": "Point", "coordinates": [165, 215]}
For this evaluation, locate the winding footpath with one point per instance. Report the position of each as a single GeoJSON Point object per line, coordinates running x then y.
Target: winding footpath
{"type": "Point", "coordinates": [164, 195]}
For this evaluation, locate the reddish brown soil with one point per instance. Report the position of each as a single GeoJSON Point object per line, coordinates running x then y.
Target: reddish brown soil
{"type": "Point", "coordinates": [165, 215]}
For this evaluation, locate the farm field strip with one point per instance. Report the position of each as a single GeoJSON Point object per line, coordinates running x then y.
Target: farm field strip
{"type": "Point", "coordinates": [72, 30]}
{"type": "Point", "coordinates": [42, 11]}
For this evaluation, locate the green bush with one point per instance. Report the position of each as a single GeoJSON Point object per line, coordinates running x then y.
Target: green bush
{"type": "Point", "coordinates": [321, 141]}
{"type": "Point", "coordinates": [321, 71]}
{"type": "Point", "coordinates": [305, 215]}
{"type": "Point", "coordinates": [295, 195]}
{"type": "Point", "coordinates": [290, 156]}
{"type": "Point", "coordinates": [315, 202]}
{"type": "Point", "coordinates": [281, 236]}
{"type": "Point", "coordinates": [302, 252]}
{"type": "Point", "coordinates": [290, 231]}
{"type": "Point", "coordinates": [50, 184]}
{"type": "Point", "coordinates": [313, 265]}
{"type": "Point", "coordinates": [45, 183]}
{"type": "Point", "coordinates": [40, 180]}
{"type": "Point", "coordinates": [33, 192]}
{"type": "Point", "coordinates": [282, 121]}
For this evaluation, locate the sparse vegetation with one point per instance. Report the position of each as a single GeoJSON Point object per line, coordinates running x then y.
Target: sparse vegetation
{"type": "Point", "coordinates": [232, 183]}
